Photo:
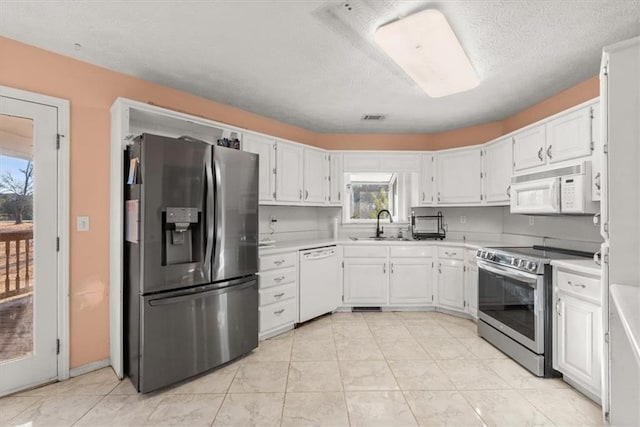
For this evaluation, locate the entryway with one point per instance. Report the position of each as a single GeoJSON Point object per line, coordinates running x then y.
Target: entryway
{"type": "Point", "coordinates": [30, 230]}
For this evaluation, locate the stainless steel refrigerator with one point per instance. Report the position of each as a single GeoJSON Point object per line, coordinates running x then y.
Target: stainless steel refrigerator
{"type": "Point", "coordinates": [190, 258]}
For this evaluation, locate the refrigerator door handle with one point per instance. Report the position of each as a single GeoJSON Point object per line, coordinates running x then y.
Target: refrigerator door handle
{"type": "Point", "coordinates": [209, 214]}
{"type": "Point", "coordinates": [199, 294]}
{"type": "Point", "coordinates": [218, 214]}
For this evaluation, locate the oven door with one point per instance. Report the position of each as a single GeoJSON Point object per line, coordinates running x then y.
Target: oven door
{"type": "Point", "coordinates": [512, 301]}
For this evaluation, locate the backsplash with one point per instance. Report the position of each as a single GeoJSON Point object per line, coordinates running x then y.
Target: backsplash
{"type": "Point", "coordinates": [473, 223]}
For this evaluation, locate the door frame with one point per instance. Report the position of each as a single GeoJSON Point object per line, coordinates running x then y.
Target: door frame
{"type": "Point", "coordinates": [63, 207]}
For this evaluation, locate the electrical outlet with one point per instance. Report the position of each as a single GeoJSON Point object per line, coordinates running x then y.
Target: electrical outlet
{"type": "Point", "coordinates": [82, 223]}
{"type": "Point", "coordinates": [463, 219]}
{"type": "Point", "coordinates": [531, 221]}
{"type": "Point", "coordinates": [273, 218]}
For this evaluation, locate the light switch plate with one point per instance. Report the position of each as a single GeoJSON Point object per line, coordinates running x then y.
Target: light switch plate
{"type": "Point", "coordinates": [82, 223]}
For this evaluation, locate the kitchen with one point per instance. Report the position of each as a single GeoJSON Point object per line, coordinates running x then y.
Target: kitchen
{"type": "Point", "coordinates": [404, 336]}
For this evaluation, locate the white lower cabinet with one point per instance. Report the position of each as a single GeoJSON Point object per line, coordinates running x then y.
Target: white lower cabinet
{"type": "Point", "coordinates": [365, 281]}
{"type": "Point", "coordinates": [471, 289]}
{"type": "Point", "coordinates": [411, 281]}
{"type": "Point", "coordinates": [278, 296]}
{"type": "Point", "coordinates": [451, 284]}
{"type": "Point", "coordinates": [578, 330]}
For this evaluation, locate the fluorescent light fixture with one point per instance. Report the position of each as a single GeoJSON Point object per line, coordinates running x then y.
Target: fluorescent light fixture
{"type": "Point", "coordinates": [425, 47]}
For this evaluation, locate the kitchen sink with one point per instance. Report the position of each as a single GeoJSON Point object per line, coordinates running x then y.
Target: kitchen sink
{"type": "Point", "coordinates": [383, 239]}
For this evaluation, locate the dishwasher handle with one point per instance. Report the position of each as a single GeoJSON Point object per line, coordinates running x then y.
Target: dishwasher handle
{"type": "Point", "coordinates": [316, 255]}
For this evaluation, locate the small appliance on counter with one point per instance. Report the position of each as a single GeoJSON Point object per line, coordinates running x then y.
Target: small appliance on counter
{"type": "Point", "coordinates": [515, 290]}
{"type": "Point", "coordinates": [190, 258]}
{"type": "Point", "coordinates": [426, 227]}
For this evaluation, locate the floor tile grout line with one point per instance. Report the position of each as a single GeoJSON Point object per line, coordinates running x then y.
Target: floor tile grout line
{"type": "Point", "coordinates": [89, 410]}
{"type": "Point", "coordinates": [39, 398]}
{"type": "Point", "coordinates": [344, 392]}
{"type": "Point", "coordinates": [286, 383]}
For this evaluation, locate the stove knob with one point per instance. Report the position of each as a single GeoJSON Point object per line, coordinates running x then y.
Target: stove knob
{"type": "Point", "coordinates": [479, 253]}
{"type": "Point", "coordinates": [521, 263]}
{"type": "Point", "coordinates": [532, 266]}
{"type": "Point", "coordinates": [491, 256]}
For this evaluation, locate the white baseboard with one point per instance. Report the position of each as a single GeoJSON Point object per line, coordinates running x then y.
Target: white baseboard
{"type": "Point", "coordinates": [89, 367]}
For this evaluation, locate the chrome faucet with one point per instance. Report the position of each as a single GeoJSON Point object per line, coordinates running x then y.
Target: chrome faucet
{"type": "Point", "coordinates": [379, 230]}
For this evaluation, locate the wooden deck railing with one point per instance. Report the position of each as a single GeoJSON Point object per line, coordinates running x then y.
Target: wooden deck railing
{"type": "Point", "coordinates": [17, 263]}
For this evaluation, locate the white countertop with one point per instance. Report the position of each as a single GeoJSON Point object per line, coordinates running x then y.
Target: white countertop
{"type": "Point", "coordinates": [296, 245]}
{"type": "Point", "coordinates": [585, 266]}
{"type": "Point", "coordinates": [627, 301]}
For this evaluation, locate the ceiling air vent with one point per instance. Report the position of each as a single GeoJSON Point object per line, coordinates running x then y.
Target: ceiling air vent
{"type": "Point", "coordinates": [373, 117]}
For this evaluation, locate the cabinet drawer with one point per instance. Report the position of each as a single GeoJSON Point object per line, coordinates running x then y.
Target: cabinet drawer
{"type": "Point", "coordinates": [365, 251]}
{"type": "Point", "coordinates": [410, 251]}
{"type": "Point", "coordinates": [279, 314]}
{"type": "Point", "coordinates": [452, 253]}
{"type": "Point", "coordinates": [470, 256]}
{"type": "Point", "coordinates": [270, 262]}
{"type": "Point", "coordinates": [585, 286]}
{"type": "Point", "coordinates": [277, 294]}
{"type": "Point", "coordinates": [277, 277]}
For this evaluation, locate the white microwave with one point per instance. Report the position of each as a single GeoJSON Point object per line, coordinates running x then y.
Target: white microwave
{"type": "Point", "coordinates": [566, 190]}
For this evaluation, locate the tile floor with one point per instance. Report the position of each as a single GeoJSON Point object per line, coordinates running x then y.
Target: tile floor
{"type": "Point", "coordinates": [358, 369]}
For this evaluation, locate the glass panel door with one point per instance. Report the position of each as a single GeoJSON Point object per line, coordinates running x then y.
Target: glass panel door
{"type": "Point", "coordinates": [28, 255]}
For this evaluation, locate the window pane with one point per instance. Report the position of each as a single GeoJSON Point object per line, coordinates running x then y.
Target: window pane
{"type": "Point", "coordinates": [367, 199]}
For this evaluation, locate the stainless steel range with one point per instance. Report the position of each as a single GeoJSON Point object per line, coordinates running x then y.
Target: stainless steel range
{"type": "Point", "coordinates": [514, 302]}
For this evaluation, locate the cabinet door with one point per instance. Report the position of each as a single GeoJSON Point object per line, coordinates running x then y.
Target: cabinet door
{"type": "Point", "coordinates": [265, 148]}
{"type": "Point", "coordinates": [451, 284]}
{"type": "Point", "coordinates": [459, 176]}
{"type": "Point", "coordinates": [578, 341]}
{"type": "Point", "coordinates": [498, 168]}
{"type": "Point", "coordinates": [335, 179]}
{"type": "Point", "coordinates": [315, 176]}
{"type": "Point", "coordinates": [529, 148]}
{"type": "Point", "coordinates": [471, 290]}
{"type": "Point", "coordinates": [411, 281]}
{"type": "Point", "coordinates": [289, 173]}
{"type": "Point", "coordinates": [569, 136]}
{"type": "Point", "coordinates": [365, 281]}
{"type": "Point", "coordinates": [426, 180]}
{"type": "Point", "coordinates": [596, 159]}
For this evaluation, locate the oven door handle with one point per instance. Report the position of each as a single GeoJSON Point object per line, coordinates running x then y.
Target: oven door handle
{"type": "Point", "coordinates": [530, 279]}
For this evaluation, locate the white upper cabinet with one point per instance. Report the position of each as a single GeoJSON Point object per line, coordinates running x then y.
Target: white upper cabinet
{"type": "Point", "coordinates": [569, 136]}
{"type": "Point", "coordinates": [315, 176]}
{"type": "Point", "coordinates": [289, 176]}
{"type": "Point", "coordinates": [458, 176]}
{"type": "Point", "coordinates": [425, 196]}
{"type": "Point", "coordinates": [498, 168]}
{"type": "Point", "coordinates": [529, 148]}
{"type": "Point", "coordinates": [596, 161]}
{"type": "Point", "coordinates": [265, 148]}
{"type": "Point", "coordinates": [336, 177]}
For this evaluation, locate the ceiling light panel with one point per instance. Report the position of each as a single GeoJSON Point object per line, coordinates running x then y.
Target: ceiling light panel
{"type": "Point", "coordinates": [425, 47]}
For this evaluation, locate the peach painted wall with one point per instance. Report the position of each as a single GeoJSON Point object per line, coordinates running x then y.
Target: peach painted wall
{"type": "Point", "coordinates": [91, 90]}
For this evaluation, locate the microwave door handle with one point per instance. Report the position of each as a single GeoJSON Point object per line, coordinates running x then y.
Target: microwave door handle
{"type": "Point", "coordinates": [555, 195]}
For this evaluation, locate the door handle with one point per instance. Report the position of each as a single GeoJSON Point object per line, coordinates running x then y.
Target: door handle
{"type": "Point", "coordinates": [540, 154]}
{"type": "Point", "coordinates": [558, 307]}
{"type": "Point", "coordinates": [597, 181]}
{"type": "Point", "coordinates": [278, 262]}
{"type": "Point", "coordinates": [280, 295]}
{"type": "Point", "coordinates": [576, 285]}
{"type": "Point", "coordinates": [391, 268]}
{"type": "Point", "coordinates": [338, 196]}
{"type": "Point", "coordinates": [423, 196]}
{"type": "Point", "coordinates": [300, 194]}
{"type": "Point", "coordinates": [384, 268]}
{"type": "Point", "coordinates": [306, 194]}
{"type": "Point", "coordinates": [279, 312]}
{"type": "Point", "coordinates": [549, 151]}
{"type": "Point", "coordinates": [509, 191]}
{"type": "Point", "coordinates": [278, 279]}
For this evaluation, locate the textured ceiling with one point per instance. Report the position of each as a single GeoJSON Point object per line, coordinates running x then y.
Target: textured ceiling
{"type": "Point", "coordinates": [314, 63]}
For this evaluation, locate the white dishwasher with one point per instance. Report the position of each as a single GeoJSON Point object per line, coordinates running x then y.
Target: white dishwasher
{"type": "Point", "coordinates": [320, 288]}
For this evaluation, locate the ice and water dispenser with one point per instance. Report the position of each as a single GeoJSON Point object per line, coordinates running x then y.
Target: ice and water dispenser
{"type": "Point", "coordinates": [182, 235]}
